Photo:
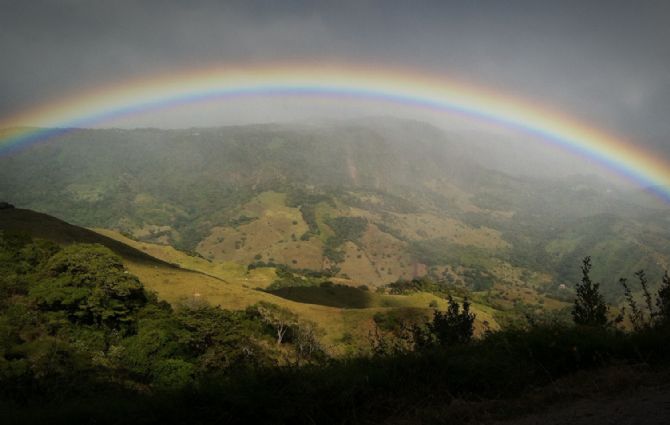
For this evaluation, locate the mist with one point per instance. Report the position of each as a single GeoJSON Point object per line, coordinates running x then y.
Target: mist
{"type": "Point", "coordinates": [604, 63]}
{"type": "Point", "coordinates": [360, 246]}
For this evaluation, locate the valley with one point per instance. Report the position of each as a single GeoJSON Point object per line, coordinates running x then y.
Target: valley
{"type": "Point", "coordinates": [272, 247]}
{"type": "Point", "coordinates": [273, 194]}
{"type": "Point", "coordinates": [334, 213]}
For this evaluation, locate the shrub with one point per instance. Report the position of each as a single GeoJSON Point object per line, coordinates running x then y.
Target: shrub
{"type": "Point", "coordinates": [589, 307]}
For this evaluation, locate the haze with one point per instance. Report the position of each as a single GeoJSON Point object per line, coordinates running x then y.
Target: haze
{"type": "Point", "coordinates": [330, 236]}
{"type": "Point", "coordinates": [603, 62]}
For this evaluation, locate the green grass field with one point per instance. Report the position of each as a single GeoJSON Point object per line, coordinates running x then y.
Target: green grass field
{"type": "Point", "coordinates": [342, 313]}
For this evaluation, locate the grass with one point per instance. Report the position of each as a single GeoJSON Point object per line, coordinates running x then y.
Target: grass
{"type": "Point", "coordinates": [420, 226]}
{"type": "Point", "coordinates": [182, 286]}
{"type": "Point", "coordinates": [236, 291]}
{"type": "Point", "coordinates": [274, 234]}
{"type": "Point", "coordinates": [330, 310]}
{"type": "Point", "coordinates": [226, 270]}
{"type": "Point", "coordinates": [376, 258]}
{"type": "Point", "coordinates": [181, 278]}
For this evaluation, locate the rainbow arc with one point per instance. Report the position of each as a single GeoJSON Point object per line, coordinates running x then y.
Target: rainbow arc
{"type": "Point", "coordinates": [407, 88]}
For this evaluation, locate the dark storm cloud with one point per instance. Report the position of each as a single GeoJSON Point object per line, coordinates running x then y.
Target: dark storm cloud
{"type": "Point", "coordinates": [606, 62]}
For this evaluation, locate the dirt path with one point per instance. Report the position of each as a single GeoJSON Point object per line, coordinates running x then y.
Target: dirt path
{"type": "Point", "coordinates": [648, 406]}
{"type": "Point", "coordinates": [621, 395]}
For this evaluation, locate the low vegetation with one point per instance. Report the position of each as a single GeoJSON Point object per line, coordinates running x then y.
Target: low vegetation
{"type": "Point", "coordinates": [76, 314]}
{"type": "Point", "coordinates": [83, 340]}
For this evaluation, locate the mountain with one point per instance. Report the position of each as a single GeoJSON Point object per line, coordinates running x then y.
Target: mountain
{"type": "Point", "coordinates": [305, 273]}
{"type": "Point", "coordinates": [372, 201]}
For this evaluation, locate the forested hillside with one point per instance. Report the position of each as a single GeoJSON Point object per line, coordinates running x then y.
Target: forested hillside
{"type": "Point", "coordinates": [372, 201]}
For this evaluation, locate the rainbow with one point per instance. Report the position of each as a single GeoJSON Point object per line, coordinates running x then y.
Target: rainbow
{"type": "Point", "coordinates": [345, 81]}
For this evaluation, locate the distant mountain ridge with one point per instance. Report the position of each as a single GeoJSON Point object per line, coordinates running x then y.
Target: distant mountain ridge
{"type": "Point", "coordinates": [290, 194]}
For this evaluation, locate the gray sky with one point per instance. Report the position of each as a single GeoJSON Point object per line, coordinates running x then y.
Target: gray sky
{"type": "Point", "coordinates": [605, 62]}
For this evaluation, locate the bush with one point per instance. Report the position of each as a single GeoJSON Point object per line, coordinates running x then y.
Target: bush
{"type": "Point", "coordinates": [173, 374]}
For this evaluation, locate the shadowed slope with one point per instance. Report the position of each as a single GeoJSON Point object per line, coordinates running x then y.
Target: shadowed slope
{"type": "Point", "coordinates": [44, 226]}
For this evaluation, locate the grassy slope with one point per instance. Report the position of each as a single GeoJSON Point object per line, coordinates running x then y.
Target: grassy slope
{"type": "Point", "coordinates": [178, 278]}
{"type": "Point", "coordinates": [382, 254]}
{"type": "Point", "coordinates": [338, 311]}
{"type": "Point", "coordinates": [44, 226]}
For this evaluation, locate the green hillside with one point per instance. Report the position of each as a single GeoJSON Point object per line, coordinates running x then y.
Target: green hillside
{"type": "Point", "coordinates": [229, 270]}
{"type": "Point", "coordinates": [368, 201]}
{"type": "Point", "coordinates": [339, 310]}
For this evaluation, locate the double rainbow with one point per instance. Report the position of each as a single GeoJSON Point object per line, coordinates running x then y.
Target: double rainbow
{"type": "Point", "coordinates": [405, 88]}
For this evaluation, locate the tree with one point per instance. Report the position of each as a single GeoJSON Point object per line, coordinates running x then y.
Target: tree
{"type": "Point", "coordinates": [454, 326]}
{"type": "Point", "coordinates": [663, 301]}
{"type": "Point", "coordinates": [589, 307]}
{"type": "Point", "coordinates": [307, 345]}
{"type": "Point", "coordinates": [90, 284]}
{"type": "Point", "coordinates": [221, 339]}
{"type": "Point", "coordinates": [281, 320]}
{"type": "Point", "coordinates": [655, 316]}
{"type": "Point", "coordinates": [638, 318]}
{"type": "Point", "coordinates": [635, 315]}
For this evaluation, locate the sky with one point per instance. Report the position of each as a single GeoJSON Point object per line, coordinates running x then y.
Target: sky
{"type": "Point", "coordinates": [605, 62]}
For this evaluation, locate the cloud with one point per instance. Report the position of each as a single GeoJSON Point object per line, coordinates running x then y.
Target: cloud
{"type": "Point", "coordinates": [605, 62]}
